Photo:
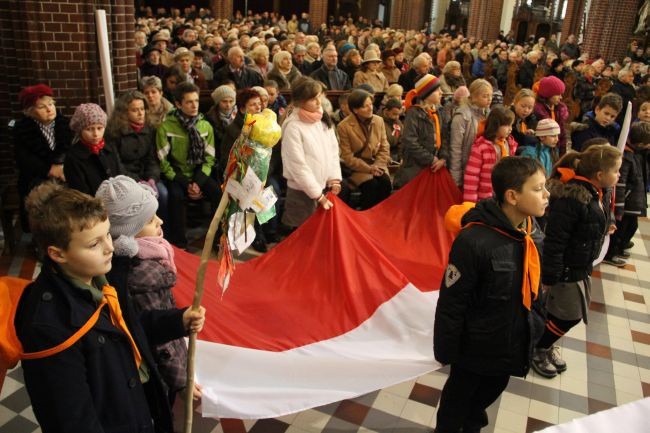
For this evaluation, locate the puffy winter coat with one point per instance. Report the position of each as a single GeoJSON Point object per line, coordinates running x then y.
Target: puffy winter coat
{"type": "Point", "coordinates": [481, 323]}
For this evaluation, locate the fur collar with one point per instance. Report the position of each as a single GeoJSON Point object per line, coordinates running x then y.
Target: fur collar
{"type": "Point", "coordinates": [575, 189]}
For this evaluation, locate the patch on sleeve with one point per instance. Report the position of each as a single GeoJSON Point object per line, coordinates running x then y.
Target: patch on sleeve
{"type": "Point", "coordinates": [451, 275]}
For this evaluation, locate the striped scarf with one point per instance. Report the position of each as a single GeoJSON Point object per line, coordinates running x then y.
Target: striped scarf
{"type": "Point", "coordinates": [48, 133]}
{"type": "Point", "coordinates": [196, 155]}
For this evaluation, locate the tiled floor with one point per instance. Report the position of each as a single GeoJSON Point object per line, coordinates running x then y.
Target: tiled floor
{"type": "Point", "coordinates": [609, 364]}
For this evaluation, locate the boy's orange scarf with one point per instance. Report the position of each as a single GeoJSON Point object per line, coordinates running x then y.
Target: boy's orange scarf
{"type": "Point", "coordinates": [532, 267]}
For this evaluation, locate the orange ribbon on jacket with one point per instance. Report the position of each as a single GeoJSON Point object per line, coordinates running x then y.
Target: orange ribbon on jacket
{"type": "Point", "coordinates": [503, 146]}
{"type": "Point", "coordinates": [532, 267]}
{"type": "Point", "coordinates": [110, 299]}
{"type": "Point", "coordinates": [480, 127]}
{"type": "Point", "coordinates": [433, 115]}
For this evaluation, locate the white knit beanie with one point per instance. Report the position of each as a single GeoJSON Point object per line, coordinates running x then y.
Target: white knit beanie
{"type": "Point", "coordinates": [130, 205]}
{"type": "Point", "coordinates": [223, 92]}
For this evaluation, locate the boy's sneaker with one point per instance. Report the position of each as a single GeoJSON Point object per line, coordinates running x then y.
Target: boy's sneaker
{"type": "Point", "coordinates": [554, 358]}
{"type": "Point", "coordinates": [615, 261]}
{"type": "Point", "coordinates": [629, 245]}
{"type": "Point", "coordinates": [541, 363]}
{"type": "Point", "coordinates": [625, 254]}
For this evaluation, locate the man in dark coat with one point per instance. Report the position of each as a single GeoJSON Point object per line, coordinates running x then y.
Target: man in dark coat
{"type": "Point", "coordinates": [329, 74]}
{"type": "Point", "coordinates": [624, 87]}
{"type": "Point", "coordinates": [526, 75]}
{"type": "Point", "coordinates": [237, 72]}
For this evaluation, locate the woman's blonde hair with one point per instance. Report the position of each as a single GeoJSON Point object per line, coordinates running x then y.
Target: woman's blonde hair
{"type": "Point", "coordinates": [259, 51]}
{"type": "Point", "coordinates": [523, 93]}
{"type": "Point", "coordinates": [479, 85]}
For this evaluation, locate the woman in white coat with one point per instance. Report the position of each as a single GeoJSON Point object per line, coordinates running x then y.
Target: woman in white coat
{"type": "Point", "coordinates": [310, 154]}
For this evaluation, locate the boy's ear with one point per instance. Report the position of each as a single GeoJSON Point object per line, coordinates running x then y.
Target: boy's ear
{"type": "Point", "coordinates": [56, 254]}
{"type": "Point", "coordinates": [510, 197]}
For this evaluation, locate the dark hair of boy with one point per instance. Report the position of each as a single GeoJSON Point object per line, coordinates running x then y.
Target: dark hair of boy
{"type": "Point", "coordinates": [183, 89]}
{"type": "Point", "coordinates": [611, 100]}
{"type": "Point", "coordinates": [512, 172]}
{"type": "Point", "coordinates": [55, 212]}
{"type": "Point", "coordinates": [499, 116]}
{"type": "Point", "coordinates": [639, 133]}
{"type": "Point", "coordinates": [271, 83]}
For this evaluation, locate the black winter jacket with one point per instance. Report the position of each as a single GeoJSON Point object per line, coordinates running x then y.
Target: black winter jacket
{"type": "Point", "coordinates": [526, 74]}
{"type": "Point", "coordinates": [137, 152]}
{"type": "Point", "coordinates": [521, 138]}
{"type": "Point", "coordinates": [584, 92]}
{"type": "Point", "coordinates": [85, 171]}
{"type": "Point", "coordinates": [575, 230]}
{"type": "Point", "coordinates": [93, 386]}
{"type": "Point", "coordinates": [592, 129]}
{"type": "Point", "coordinates": [33, 154]}
{"type": "Point", "coordinates": [481, 323]}
{"type": "Point", "coordinates": [631, 198]}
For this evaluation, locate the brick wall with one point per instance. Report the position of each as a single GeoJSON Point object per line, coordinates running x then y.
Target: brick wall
{"type": "Point", "coordinates": [572, 19]}
{"type": "Point", "coordinates": [221, 8]}
{"type": "Point", "coordinates": [484, 20]}
{"type": "Point", "coordinates": [55, 42]}
{"type": "Point", "coordinates": [317, 13]}
{"type": "Point", "coordinates": [606, 35]}
{"type": "Point", "coordinates": [408, 14]}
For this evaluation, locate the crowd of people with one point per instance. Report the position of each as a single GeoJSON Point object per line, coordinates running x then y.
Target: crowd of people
{"type": "Point", "coordinates": [518, 126]}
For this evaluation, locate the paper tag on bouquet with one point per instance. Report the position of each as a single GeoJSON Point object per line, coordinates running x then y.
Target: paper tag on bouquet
{"type": "Point", "coordinates": [241, 231]}
{"type": "Point", "coordinates": [245, 191]}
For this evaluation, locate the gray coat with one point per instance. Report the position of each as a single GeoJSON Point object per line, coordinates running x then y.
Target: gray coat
{"type": "Point", "coordinates": [464, 125]}
{"type": "Point", "coordinates": [418, 144]}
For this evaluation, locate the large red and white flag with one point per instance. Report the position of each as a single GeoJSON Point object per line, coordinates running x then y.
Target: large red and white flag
{"type": "Point", "coordinates": [342, 307]}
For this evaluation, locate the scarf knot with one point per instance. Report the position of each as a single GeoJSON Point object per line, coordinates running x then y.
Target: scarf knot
{"type": "Point", "coordinates": [196, 155]}
{"type": "Point", "coordinates": [94, 148]}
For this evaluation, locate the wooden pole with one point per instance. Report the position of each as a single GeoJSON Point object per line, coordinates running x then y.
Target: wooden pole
{"type": "Point", "coordinates": [198, 295]}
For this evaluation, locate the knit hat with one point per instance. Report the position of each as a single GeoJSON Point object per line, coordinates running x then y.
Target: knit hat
{"type": "Point", "coordinates": [345, 48]}
{"type": "Point", "coordinates": [461, 93]}
{"type": "Point", "coordinates": [86, 115]}
{"type": "Point", "coordinates": [547, 127]}
{"type": "Point", "coordinates": [223, 92]}
{"type": "Point", "coordinates": [425, 85]}
{"type": "Point", "coordinates": [29, 95]}
{"type": "Point", "coordinates": [550, 86]}
{"type": "Point", "coordinates": [130, 206]}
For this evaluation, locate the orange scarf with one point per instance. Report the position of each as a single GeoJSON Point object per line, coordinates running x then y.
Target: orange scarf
{"type": "Point", "coordinates": [433, 115]}
{"type": "Point", "coordinates": [531, 268]}
{"type": "Point", "coordinates": [552, 112]}
{"type": "Point", "coordinates": [110, 299]}
{"type": "Point", "coordinates": [501, 142]}
{"type": "Point", "coordinates": [522, 126]}
{"type": "Point", "coordinates": [480, 128]}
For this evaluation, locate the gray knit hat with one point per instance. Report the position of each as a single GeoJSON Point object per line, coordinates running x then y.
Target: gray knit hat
{"type": "Point", "coordinates": [86, 115]}
{"type": "Point", "coordinates": [130, 205]}
{"type": "Point", "coordinates": [223, 92]}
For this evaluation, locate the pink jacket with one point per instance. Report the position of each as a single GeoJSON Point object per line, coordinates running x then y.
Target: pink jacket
{"type": "Point", "coordinates": [477, 183]}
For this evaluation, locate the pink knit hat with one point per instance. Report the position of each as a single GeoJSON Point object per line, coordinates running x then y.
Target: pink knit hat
{"type": "Point", "coordinates": [460, 93]}
{"type": "Point", "coordinates": [550, 86]}
{"type": "Point", "coordinates": [86, 115]}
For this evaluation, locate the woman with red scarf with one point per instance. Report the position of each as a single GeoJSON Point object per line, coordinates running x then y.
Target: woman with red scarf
{"type": "Point", "coordinates": [90, 160]}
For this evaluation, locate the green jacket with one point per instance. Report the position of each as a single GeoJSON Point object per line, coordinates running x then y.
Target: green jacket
{"type": "Point", "coordinates": [173, 144]}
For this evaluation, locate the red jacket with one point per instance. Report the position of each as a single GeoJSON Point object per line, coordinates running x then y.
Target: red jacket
{"type": "Point", "coordinates": [477, 183]}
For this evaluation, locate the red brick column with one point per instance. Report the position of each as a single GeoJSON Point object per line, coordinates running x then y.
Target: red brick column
{"type": "Point", "coordinates": [573, 18]}
{"type": "Point", "coordinates": [55, 42]}
{"type": "Point", "coordinates": [221, 8]}
{"type": "Point", "coordinates": [317, 13]}
{"type": "Point", "coordinates": [609, 27]}
{"type": "Point", "coordinates": [484, 20]}
{"type": "Point", "coordinates": [408, 14]}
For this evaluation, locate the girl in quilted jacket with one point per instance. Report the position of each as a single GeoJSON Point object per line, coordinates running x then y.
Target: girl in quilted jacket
{"type": "Point", "coordinates": [579, 217]}
{"type": "Point", "coordinates": [495, 143]}
{"type": "Point", "coordinates": [143, 261]}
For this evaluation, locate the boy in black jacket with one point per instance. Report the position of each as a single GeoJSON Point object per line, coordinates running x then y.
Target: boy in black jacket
{"type": "Point", "coordinates": [631, 199]}
{"type": "Point", "coordinates": [599, 123]}
{"type": "Point", "coordinates": [484, 325]}
{"type": "Point", "coordinates": [106, 379]}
